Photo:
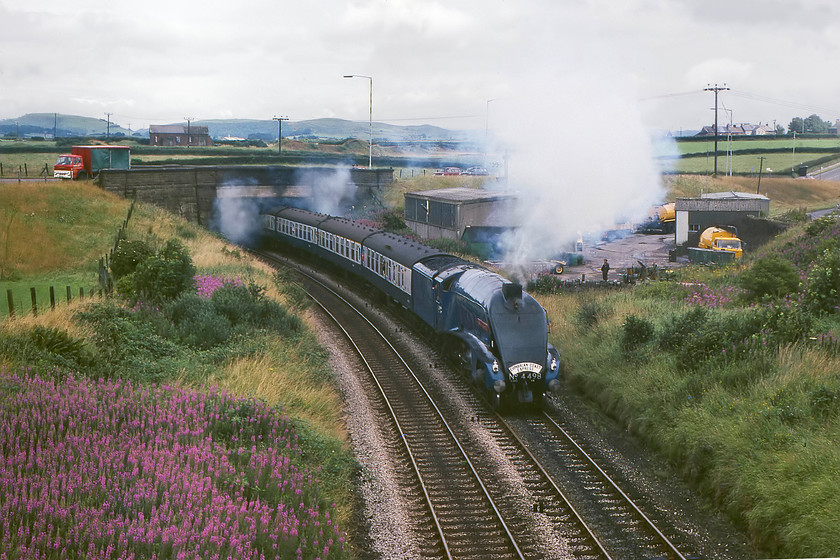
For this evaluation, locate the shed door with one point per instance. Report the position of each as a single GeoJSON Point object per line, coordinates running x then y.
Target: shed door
{"type": "Point", "coordinates": [682, 227]}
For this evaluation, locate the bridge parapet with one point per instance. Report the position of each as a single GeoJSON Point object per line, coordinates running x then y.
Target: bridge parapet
{"type": "Point", "coordinates": [191, 192]}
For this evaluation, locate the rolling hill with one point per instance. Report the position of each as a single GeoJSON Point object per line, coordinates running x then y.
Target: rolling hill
{"type": "Point", "coordinates": [47, 124]}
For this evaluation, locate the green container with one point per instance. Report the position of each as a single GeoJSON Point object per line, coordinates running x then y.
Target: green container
{"type": "Point", "coordinates": [697, 255]}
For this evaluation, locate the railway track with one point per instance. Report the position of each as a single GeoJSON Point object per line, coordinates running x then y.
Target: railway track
{"type": "Point", "coordinates": [622, 525]}
{"type": "Point", "coordinates": [446, 480]}
{"type": "Point", "coordinates": [464, 505]}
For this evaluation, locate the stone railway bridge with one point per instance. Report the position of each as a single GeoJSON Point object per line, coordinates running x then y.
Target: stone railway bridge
{"type": "Point", "coordinates": [193, 192]}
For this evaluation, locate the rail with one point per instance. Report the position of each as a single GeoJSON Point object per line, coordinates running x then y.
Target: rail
{"type": "Point", "coordinates": [445, 528]}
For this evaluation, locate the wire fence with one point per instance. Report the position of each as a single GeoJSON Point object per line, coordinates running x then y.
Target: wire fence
{"type": "Point", "coordinates": [46, 298]}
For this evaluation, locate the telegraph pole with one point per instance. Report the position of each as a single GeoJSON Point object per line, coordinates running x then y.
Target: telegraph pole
{"type": "Point", "coordinates": [716, 89]}
{"type": "Point", "coordinates": [108, 130]}
{"type": "Point", "coordinates": [279, 132]}
{"type": "Point", "coordinates": [760, 168]}
{"type": "Point", "coordinates": [189, 138]}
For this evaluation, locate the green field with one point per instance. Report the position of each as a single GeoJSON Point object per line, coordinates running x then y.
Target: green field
{"type": "Point", "coordinates": [780, 156]}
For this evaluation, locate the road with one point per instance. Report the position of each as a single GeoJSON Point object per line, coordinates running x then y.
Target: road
{"type": "Point", "coordinates": [826, 174]}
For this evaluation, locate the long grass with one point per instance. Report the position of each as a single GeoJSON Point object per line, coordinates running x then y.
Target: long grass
{"type": "Point", "coordinates": [752, 423]}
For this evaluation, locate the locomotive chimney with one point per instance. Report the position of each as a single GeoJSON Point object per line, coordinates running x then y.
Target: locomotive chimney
{"type": "Point", "coordinates": [512, 292]}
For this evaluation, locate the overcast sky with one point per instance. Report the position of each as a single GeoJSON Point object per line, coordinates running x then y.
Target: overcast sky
{"type": "Point", "coordinates": [436, 62]}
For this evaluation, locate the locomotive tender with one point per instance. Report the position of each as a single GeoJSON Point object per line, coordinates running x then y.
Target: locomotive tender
{"type": "Point", "coordinates": [498, 332]}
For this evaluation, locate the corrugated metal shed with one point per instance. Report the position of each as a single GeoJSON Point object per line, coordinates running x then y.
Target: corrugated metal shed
{"type": "Point", "coordinates": [445, 213]}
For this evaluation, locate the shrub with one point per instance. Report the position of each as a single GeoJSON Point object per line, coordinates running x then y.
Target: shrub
{"type": "Point", "coordinates": [166, 275]}
{"type": "Point", "coordinates": [825, 402]}
{"type": "Point", "coordinates": [128, 344]}
{"type": "Point", "coordinates": [636, 332]}
{"type": "Point", "coordinates": [393, 221]}
{"type": "Point", "coordinates": [820, 226]}
{"type": "Point", "coordinates": [678, 328]}
{"type": "Point", "coordinates": [545, 284]}
{"type": "Point", "coordinates": [247, 305]}
{"type": "Point", "coordinates": [127, 257]}
{"type": "Point", "coordinates": [589, 314]}
{"type": "Point", "coordinates": [822, 290]}
{"type": "Point", "coordinates": [770, 276]}
{"type": "Point", "coordinates": [125, 286]}
{"type": "Point", "coordinates": [196, 322]}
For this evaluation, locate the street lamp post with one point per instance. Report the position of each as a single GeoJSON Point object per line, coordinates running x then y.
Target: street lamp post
{"type": "Point", "coordinates": [370, 118]}
{"type": "Point", "coordinates": [486, 128]}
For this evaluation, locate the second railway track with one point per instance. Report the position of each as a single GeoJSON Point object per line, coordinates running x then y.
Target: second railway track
{"type": "Point", "coordinates": [463, 504]}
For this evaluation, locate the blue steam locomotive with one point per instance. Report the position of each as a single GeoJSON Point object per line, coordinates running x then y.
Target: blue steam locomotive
{"type": "Point", "coordinates": [498, 333]}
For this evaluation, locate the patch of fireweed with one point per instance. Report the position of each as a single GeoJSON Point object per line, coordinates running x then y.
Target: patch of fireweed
{"type": "Point", "coordinates": [111, 469]}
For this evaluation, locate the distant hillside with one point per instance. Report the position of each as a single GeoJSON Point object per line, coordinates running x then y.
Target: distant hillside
{"type": "Point", "coordinates": [44, 124]}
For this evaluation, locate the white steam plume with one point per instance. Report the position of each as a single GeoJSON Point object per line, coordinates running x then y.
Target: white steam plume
{"type": "Point", "coordinates": [332, 193]}
{"type": "Point", "coordinates": [578, 153]}
{"type": "Point", "coordinates": [236, 216]}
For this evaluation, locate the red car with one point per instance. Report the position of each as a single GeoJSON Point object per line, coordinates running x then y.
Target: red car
{"type": "Point", "coordinates": [448, 171]}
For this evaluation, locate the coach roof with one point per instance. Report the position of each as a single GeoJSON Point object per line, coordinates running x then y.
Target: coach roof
{"type": "Point", "coordinates": [401, 249]}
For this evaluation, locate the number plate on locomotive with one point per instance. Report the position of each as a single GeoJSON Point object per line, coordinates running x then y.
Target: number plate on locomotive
{"type": "Point", "coordinates": [529, 371]}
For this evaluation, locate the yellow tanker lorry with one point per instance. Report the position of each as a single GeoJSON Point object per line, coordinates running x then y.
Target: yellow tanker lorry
{"type": "Point", "coordinates": [719, 239]}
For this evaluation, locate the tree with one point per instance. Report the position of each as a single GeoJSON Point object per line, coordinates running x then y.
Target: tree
{"type": "Point", "coordinates": [815, 124]}
{"type": "Point", "coordinates": [796, 125]}
{"type": "Point", "coordinates": [166, 275]}
{"type": "Point", "coordinates": [780, 130]}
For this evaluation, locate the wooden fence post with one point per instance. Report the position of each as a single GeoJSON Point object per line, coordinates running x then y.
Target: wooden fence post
{"type": "Point", "coordinates": [11, 303]}
{"type": "Point", "coordinates": [34, 302]}
{"type": "Point", "coordinates": [52, 298]}
{"type": "Point", "coordinates": [69, 297]}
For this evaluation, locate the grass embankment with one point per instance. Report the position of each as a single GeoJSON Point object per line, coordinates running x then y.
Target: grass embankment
{"type": "Point", "coordinates": [195, 343]}
{"type": "Point", "coordinates": [739, 390]}
{"type": "Point", "coordinates": [785, 194]}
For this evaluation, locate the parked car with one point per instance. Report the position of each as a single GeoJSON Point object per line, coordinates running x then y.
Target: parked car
{"type": "Point", "coordinates": [475, 171]}
{"type": "Point", "coordinates": [448, 171]}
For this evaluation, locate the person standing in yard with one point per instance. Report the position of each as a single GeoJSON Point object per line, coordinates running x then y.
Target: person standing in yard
{"type": "Point", "coordinates": [605, 269]}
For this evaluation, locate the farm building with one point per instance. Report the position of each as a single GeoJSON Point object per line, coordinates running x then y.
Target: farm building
{"type": "Point", "coordinates": [446, 213]}
{"type": "Point", "coordinates": [179, 135]}
{"type": "Point", "coordinates": [730, 209]}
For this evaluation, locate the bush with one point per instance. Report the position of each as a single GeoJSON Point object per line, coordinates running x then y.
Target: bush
{"type": "Point", "coordinates": [166, 275]}
{"type": "Point", "coordinates": [127, 343]}
{"type": "Point", "coordinates": [589, 314]}
{"type": "Point", "coordinates": [678, 328]}
{"type": "Point", "coordinates": [545, 284]}
{"type": "Point", "coordinates": [197, 323]}
{"type": "Point", "coordinates": [821, 226]}
{"type": "Point", "coordinates": [128, 255]}
{"type": "Point", "coordinates": [247, 306]}
{"type": "Point", "coordinates": [770, 276]}
{"type": "Point", "coordinates": [636, 332]}
{"type": "Point", "coordinates": [822, 290]}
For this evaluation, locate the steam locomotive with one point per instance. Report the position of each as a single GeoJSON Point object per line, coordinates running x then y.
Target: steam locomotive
{"type": "Point", "coordinates": [497, 332]}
